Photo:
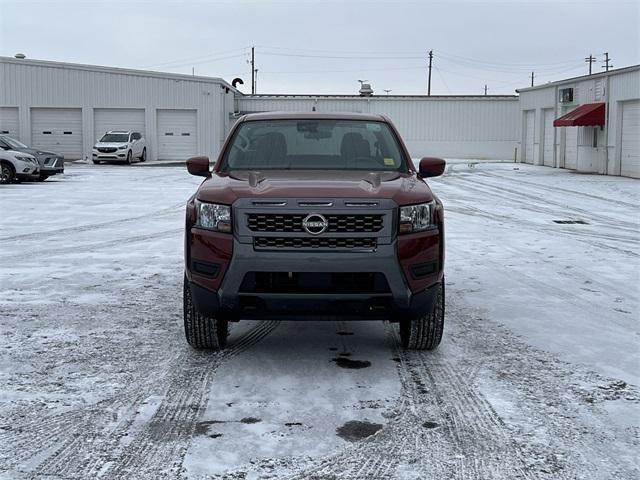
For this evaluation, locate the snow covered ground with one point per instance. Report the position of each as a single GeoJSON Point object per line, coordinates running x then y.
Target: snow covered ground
{"type": "Point", "coordinates": [537, 375]}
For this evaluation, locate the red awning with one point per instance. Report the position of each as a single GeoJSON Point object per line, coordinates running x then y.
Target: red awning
{"type": "Point", "coordinates": [587, 115]}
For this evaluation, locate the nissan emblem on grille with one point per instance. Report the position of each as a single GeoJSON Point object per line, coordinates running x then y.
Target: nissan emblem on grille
{"type": "Point", "coordinates": [315, 224]}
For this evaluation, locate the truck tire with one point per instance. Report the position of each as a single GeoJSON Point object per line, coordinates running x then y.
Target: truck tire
{"type": "Point", "coordinates": [7, 173]}
{"type": "Point", "coordinates": [128, 160]}
{"type": "Point", "coordinates": [143, 158]}
{"type": "Point", "coordinates": [203, 333]}
{"type": "Point", "coordinates": [425, 332]}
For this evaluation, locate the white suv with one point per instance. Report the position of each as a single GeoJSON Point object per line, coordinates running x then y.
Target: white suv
{"type": "Point", "coordinates": [17, 166]}
{"type": "Point", "coordinates": [120, 146]}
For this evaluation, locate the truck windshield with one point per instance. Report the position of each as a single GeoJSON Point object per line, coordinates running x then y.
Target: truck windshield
{"type": "Point", "coordinates": [313, 145]}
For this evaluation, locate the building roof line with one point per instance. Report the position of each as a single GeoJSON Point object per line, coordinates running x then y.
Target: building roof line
{"type": "Point", "coordinates": [116, 70]}
{"type": "Point", "coordinates": [613, 71]}
{"type": "Point", "coordinates": [377, 97]}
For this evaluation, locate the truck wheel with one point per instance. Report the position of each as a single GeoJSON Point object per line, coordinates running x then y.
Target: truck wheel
{"type": "Point", "coordinates": [143, 158]}
{"type": "Point", "coordinates": [128, 161]}
{"type": "Point", "coordinates": [425, 332]}
{"type": "Point", "coordinates": [96, 162]}
{"type": "Point", "coordinates": [203, 333]}
{"type": "Point", "coordinates": [7, 173]}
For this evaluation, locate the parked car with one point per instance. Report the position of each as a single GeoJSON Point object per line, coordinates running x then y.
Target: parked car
{"type": "Point", "coordinates": [314, 215]}
{"type": "Point", "coordinates": [17, 166]}
{"type": "Point", "coordinates": [120, 146]}
{"type": "Point", "coordinates": [50, 163]}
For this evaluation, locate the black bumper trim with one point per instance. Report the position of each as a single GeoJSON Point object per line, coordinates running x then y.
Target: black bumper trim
{"type": "Point", "coordinates": [263, 306]}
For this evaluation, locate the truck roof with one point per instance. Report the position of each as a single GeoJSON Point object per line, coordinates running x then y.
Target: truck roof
{"type": "Point", "coordinates": [314, 116]}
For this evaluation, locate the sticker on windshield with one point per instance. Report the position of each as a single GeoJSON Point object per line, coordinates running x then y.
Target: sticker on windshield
{"type": "Point", "coordinates": [389, 162]}
{"type": "Point", "coordinates": [374, 127]}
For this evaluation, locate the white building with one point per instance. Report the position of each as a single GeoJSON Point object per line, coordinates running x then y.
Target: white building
{"type": "Point", "coordinates": [65, 107]}
{"type": "Point", "coordinates": [597, 120]}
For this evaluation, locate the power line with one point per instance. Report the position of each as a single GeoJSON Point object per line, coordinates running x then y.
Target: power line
{"type": "Point", "coordinates": [346, 57]}
{"type": "Point", "coordinates": [211, 56]}
{"type": "Point", "coordinates": [442, 78]}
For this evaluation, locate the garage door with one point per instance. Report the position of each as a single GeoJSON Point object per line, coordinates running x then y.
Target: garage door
{"type": "Point", "coordinates": [630, 148]}
{"type": "Point", "coordinates": [529, 135]}
{"type": "Point", "coordinates": [58, 130]}
{"type": "Point", "coordinates": [9, 121]}
{"type": "Point", "coordinates": [176, 134]}
{"type": "Point", "coordinates": [570, 147]}
{"type": "Point", "coordinates": [105, 119]}
{"type": "Point", "coordinates": [548, 148]}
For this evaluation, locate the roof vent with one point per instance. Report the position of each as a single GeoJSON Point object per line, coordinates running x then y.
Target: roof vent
{"type": "Point", "coordinates": [366, 90]}
{"type": "Point", "coordinates": [20, 55]}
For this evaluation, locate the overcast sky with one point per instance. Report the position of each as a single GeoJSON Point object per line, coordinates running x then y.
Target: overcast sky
{"type": "Point", "coordinates": [326, 46]}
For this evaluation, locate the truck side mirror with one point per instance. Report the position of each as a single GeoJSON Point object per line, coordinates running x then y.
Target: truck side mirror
{"type": "Point", "coordinates": [198, 166]}
{"type": "Point", "coordinates": [431, 167]}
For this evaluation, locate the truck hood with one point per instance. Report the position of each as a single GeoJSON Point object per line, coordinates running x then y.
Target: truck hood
{"type": "Point", "coordinates": [226, 188]}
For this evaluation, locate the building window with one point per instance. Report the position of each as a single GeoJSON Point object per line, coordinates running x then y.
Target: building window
{"type": "Point", "coordinates": [595, 137]}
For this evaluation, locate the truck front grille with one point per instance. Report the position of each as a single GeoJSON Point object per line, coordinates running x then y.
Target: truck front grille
{"type": "Point", "coordinates": [291, 223]}
{"type": "Point", "coordinates": [315, 243]}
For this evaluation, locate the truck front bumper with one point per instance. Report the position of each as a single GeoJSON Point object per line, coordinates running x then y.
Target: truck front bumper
{"type": "Point", "coordinates": [233, 302]}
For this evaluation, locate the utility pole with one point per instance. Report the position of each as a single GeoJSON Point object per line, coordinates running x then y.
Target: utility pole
{"type": "Point", "coordinates": [590, 59]}
{"type": "Point", "coordinates": [256, 84]}
{"type": "Point", "coordinates": [606, 66]}
{"type": "Point", "coordinates": [386, 91]}
{"type": "Point", "coordinates": [430, 63]}
{"type": "Point", "coordinates": [532, 76]}
{"type": "Point", "coordinates": [485, 89]}
{"type": "Point", "coordinates": [253, 70]}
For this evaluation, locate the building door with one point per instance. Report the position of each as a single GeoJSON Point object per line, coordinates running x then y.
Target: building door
{"type": "Point", "coordinates": [529, 135]}
{"type": "Point", "coordinates": [9, 122]}
{"type": "Point", "coordinates": [105, 119]}
{"type": "Point", "coordinates": [548, 148]}
{"type": "Point", "coordinates": [570, 147]}
{"type": "Point", "coordinates": [58, 130]}
{"type": "Point", "coordinates": [630, 144]}
{"type": "Point", "coordinates": [177, 134]}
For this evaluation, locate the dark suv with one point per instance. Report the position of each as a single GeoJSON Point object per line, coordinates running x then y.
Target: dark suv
{"type": "Point", "coordinates": [309, 216]}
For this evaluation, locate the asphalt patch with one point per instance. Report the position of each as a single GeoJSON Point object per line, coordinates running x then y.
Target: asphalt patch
{"type": "Point", "coordinates": [344, 333]}
{"type": "Point", "coordinates": [202, 428]}
{"type": "Point", "coordinates": [250, 420]}
{"type": "Point", "coordinates": [343, 362]}
{"type": "Point", "coordinates": [345, 354]}
{"type": "Point", "coordinates": [333, 349]}
{"type": "Point", "coordinates": [430, 425]}
{"type": "Point", "coordinates": [293, 424]}
{"type": "Point", "coordinates": [355, 430]}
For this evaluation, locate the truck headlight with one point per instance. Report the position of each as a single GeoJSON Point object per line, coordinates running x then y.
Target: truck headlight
{"type": "Point", "coordinates": [123, 147]}
{"type": "Point", "coordinates": [417, 218]}
{"type": "Point", "coordinates": [213, 216]}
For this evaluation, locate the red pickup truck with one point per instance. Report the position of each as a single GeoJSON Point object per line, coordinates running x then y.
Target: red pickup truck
{"type": "Point", "coordinates": [314, 216]}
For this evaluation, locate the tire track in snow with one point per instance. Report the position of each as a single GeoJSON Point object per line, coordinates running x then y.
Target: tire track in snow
{"type": "Point", "coordinates": [159, 449]}
{"type": "Point", "coordinates": [469, 441]}
{"type": "Point", "coordinates": [85, 443]}
{"type": "Point", "coordinates": [539, 204]}
{"type": "Point", "coordinates": [84, 248]}
{"type": "Point", "coordinates": [556, 189]}
{"type": "Point", "coordinates": [94, 226]}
